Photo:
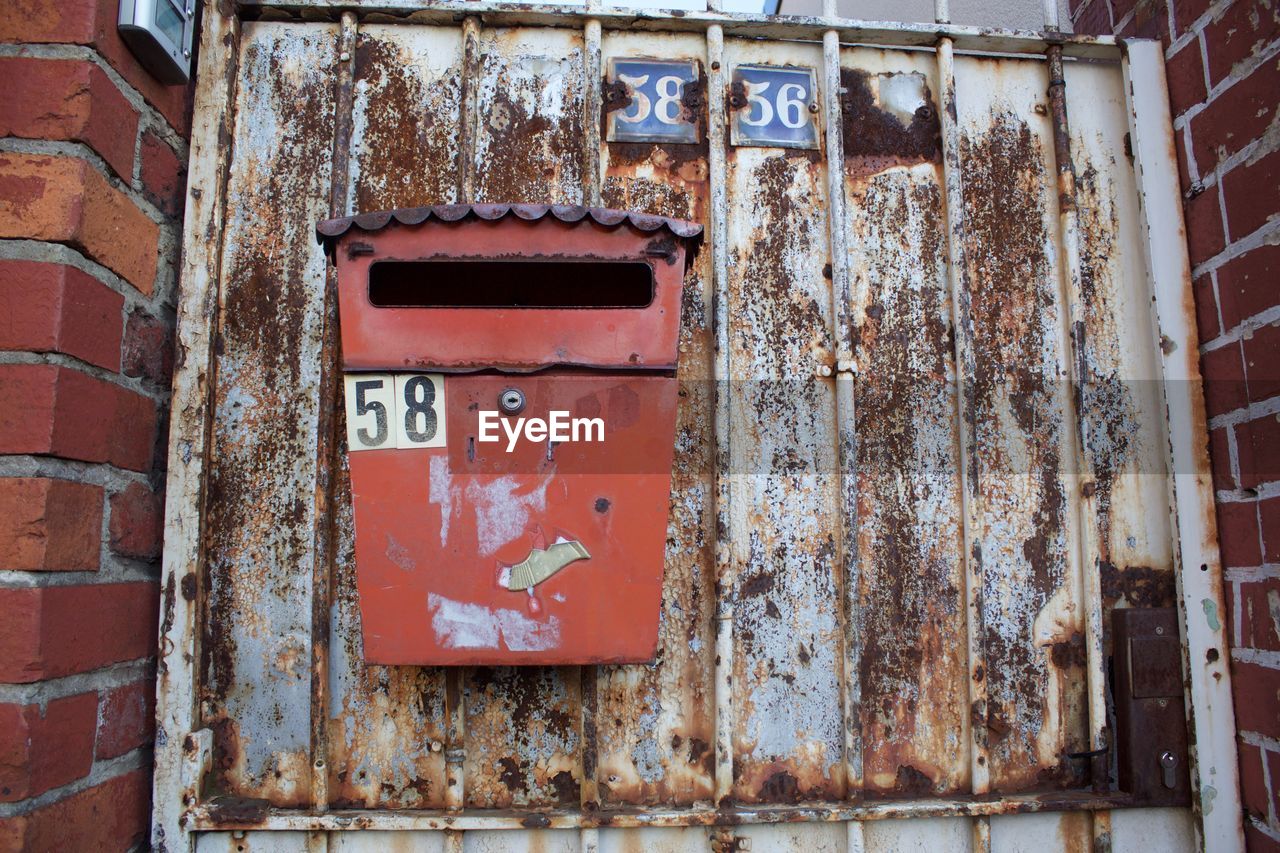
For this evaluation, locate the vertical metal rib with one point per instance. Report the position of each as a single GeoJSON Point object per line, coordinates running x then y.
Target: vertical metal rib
{"type": "Point", "coordinates": [855, 840]}
{"type": "Point", "coordinates": [591, 69]}
{"type": "Point", "coordinates": [1050, 8]}
{"type": "Point", "coordinates": [846, 434]}
{"type": "Point", "coordinates": [469, 124]}
{"type": "Point", "coordinates": [455, 738]}
{"type": "Point", "coordinates": [588, 789]}
{"type": "Point", "coordinates": [1197, 560]}
{"type": "Point", "coordinates": [182, 750]}
{"type": "Point", "coordinates": [328, 442]}
{"type": "Point", "coordinates": [726, 584]}
{"type": "Point", "coordinates": [1082, 491]}
{"type": "Point", "coordinates": [981, 834]}
{"type": "Point", "coordinates": [456, 677]}
{"type": "Point", "coordinates": [966, 369]}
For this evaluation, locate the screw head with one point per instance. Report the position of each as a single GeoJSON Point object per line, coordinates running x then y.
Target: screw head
{"type": "Point", "coordinates": [511, 401]}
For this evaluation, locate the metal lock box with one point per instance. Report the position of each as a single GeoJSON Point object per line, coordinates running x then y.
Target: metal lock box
{"type": "Point", "coordinates": [510, 402]}
{"type": "Point", "coordinates": [1151, 719]}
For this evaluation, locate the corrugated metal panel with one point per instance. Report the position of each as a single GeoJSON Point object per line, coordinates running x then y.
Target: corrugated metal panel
{"type": "Point", "coordinates": [655, 725]}
{"type": "Point", "coordinates": [875, 665]}
{"type": "Point", "coordinates": [256, 693]}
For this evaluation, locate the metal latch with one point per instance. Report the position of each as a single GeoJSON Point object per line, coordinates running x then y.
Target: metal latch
{"type": "Point", "coordinates": [1151, 728]}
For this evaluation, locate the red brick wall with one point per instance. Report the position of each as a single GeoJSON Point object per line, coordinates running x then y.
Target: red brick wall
{"type": "Point", "coordinates": [1223, 62]}
{"type": "Point", "coordinates": [92, 154]}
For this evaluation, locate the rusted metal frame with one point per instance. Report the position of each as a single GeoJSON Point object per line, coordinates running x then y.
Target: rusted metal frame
{"type": "Point", "coordinates": [725, 568]}
{"type": "Point", "coordinates": [846, 414]}
{"type": "Point", "coordinates": [804, 27]}
{"type": "Point", "coordinates": [1197, 561]}
{"type": "Point", "coordinates": [469, 120]}
{"type": "Point", "coordinates": [206, 818]}
{"type": "Point", "coordinates": [328, 444]}
{"type": "Point", "coordinates": [182, 753]}
{"type": "Point", "coordinates": [1082, 487]}
{"type": "Point", "coordinates": [966, 413]}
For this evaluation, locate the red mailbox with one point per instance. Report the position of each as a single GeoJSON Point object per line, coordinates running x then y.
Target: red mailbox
{"type": "Point", "coordinates": [511, 400]}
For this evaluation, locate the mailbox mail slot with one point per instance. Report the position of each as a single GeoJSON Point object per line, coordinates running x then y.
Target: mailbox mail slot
{"type": "Point", "coordinates": [510, 399]}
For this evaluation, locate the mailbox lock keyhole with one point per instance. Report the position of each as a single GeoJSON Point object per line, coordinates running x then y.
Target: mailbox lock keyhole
{"type": "Point", "coordinates": [1168, 763]}
{"type": "Point", "coordinates": [511, 401]}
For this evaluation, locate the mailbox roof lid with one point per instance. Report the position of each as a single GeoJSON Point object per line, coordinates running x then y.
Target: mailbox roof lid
{"type": "Point", "coordinates": [328, 231]}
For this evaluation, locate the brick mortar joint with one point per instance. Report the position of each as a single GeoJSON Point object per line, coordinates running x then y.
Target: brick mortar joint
{"type": "Point", "coordinates": [102, 680]}
{"type": "Point", "coordinates": [110, 477]}
{"type": "Point", "coordinates": [103, 770]}
{"type": "Point", "coordinates": [115, 570]}
{"type": "Point", "coordinates": [153, 391]}
{"type": "Point", "coordinates": [136, 99]}
{"type": "Point", "coordinates": [82, 152]}
{"type": "Point", "coordinates": [160, 304]}
{"type": "Point", "coordinates": [1239, 73]}
{"type": "Point", "coordinates": [1193, 30]}
{"type": "Point", "coordinates": [1266, 235]}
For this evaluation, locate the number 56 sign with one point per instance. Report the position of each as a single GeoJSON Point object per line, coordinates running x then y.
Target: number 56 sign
{"type": "Point", "coordinates": [774, 106]}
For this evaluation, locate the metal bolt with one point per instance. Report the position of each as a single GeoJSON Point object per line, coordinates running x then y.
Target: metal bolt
{"type": "Point", "coordinates": [436, 746]}
{"type": "Point", "coordinates": [511, 400]}
{"type": "Point", "coordinates": [1159, 631]}
{"type": "Point", "coordinates": [345, 56]}
{"type": "Point", "coordinates": [813, 107]}
{"type": "Point", "coordinates": [824, 370]}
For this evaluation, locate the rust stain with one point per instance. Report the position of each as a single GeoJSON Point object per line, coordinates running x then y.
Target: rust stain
{"type": "Point", "coordinates": [887, 120]}
{"type": "Point", "coordinates": [523, 744]}
{"type": "Point", "coordinates": [789, 735]}
{"type": "Point", "coordinates": [914, 674]}
{"type": "Point", "coordinates": [531, 114]}
{"type": "Point", "coordinates": [407, 99]}
{"type": "Point", "coordinates": [1034, 709]}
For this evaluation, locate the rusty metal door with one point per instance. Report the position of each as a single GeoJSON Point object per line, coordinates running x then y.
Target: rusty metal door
{"type": "Point", "coordinates": [939, 416]}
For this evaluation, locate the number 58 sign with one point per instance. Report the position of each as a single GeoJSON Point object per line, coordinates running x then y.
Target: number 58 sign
{"type": "Point", "coordinates": [655, 110]}
{"type": "Point", "coordinates": [394, 410]}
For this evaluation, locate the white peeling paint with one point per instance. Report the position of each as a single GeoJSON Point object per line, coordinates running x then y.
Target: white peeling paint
{"type": "Point", "coordinates": [461, 625]}
{"type": "Point", "coordinates": [503, 510]}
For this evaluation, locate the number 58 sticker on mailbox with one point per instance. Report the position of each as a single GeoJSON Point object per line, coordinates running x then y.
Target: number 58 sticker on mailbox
{"type": "Point", "coordinates": [394, 411]}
